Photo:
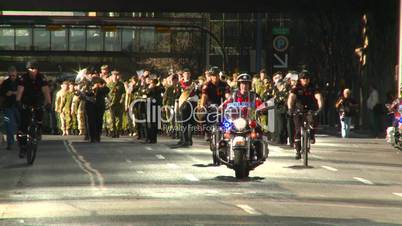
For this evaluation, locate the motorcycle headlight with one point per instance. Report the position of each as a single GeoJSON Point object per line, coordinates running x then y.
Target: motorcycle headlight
{"type": "Point", "coordinates": [239, 141]}
{"type": "Point", "coordinates": [240, 124]}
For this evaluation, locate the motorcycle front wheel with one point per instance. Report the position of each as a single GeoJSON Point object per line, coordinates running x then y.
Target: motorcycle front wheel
{"type": "Point", "coordinates": [240, 164]}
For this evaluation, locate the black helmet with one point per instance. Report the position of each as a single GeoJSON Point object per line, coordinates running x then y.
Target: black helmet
{"type": "Point", "coordinates": [244, 78]}
{"type": "Point", "coordinates": [214, 70]}
{"type": "Point", "coordinates": [32, 64]}
{"type": "Point", "coordinates": [304, 74]}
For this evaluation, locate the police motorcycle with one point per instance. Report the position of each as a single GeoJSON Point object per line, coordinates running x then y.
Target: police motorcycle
{"type": "Point", "coordinates": [239, 141]}
{"type": "Point", "coordinates": [394, 132]}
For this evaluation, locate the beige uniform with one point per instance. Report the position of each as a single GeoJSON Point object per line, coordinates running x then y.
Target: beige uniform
{"type": "Point", "coordinates": [78, 108]}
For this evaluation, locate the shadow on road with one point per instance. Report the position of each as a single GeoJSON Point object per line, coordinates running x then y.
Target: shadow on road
{"type": "Point", "coordinates": [15, 166]}
{"type": "Point", "coordinates": [234, 179]}
{"type": "Point", "coordinates": [205, 165]}
{"type": "Point", "coordinates": [299, 167]}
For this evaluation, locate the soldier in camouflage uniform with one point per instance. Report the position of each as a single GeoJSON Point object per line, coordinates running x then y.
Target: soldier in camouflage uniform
{"type": "Point", "coordinates": [59, 103]}
{"type": "Point", "coordinates": [172, 93]}
{"type": "Point", "coordinates": [116, 104]}
{"type": "Point", "coordinates": [140, 106]}
{"type": "Point", "coordinates": [262, 87]}
{"type": "Point", "coordinates": [78, 109]}
{"type": "Point", "coordinates": [280, 92]}
{"type": "Point", "coordinates": [131, 87]}
{"type": "Point", "coordinates": [67, 108]}
{"type": "Point", "coordinates": [74, 122]}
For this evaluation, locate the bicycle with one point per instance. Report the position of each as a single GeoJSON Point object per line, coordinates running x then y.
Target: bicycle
{"type": "Point", "coordinates": [33, 135]}
{"type": "Point", "coordinates": [305, 134]}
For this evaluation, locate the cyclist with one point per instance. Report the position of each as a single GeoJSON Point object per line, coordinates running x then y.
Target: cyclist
{"type": "Point", "coordinates": [304, 97]}
{"type": "Point", "coordinates": [32, 92]}
{"type": "Point", "coordinates": [214, 92]}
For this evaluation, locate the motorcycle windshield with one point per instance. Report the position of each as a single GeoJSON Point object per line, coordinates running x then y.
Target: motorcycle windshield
{"type": "Point", "coordinates": [237, 110]}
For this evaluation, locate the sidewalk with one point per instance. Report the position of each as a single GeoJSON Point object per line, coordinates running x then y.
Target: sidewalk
{"type": "Point", "coordinates": [334, 131]}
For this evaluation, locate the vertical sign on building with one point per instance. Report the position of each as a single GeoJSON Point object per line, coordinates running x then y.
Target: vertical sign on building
{"type": "Point", "coordinates": [280, 44]}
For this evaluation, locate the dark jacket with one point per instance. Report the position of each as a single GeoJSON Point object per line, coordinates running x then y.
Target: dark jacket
{"type": "Point", "coordinates": [9, 85]}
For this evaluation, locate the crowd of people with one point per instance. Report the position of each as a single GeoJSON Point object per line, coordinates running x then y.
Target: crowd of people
{"type": "Point", "coordinates": [144, 105]}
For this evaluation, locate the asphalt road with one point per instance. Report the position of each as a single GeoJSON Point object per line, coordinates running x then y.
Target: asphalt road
{"type": "Point", "coordinates": [124, 182]}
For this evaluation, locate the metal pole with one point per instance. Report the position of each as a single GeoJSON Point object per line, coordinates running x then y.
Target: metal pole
{"type": "Point", "coordinates": [258, 44]}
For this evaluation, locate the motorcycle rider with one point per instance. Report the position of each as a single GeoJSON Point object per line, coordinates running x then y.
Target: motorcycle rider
{"type": "Point", "coordinates": [304, 97]}
{"type": "Point", "coordinates": [244, 94]}
{"type": "Point", "coordinates": [246, 103]}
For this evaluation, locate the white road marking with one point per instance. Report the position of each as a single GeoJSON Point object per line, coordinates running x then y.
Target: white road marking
{"type": "Point", "coordinates": [179, 150]}
{"type": "Point", "coordinates": [321, 135]}
{"type": "Point", "coordinates": [329, 168]}
{"type": "Point", "coordinates": [191, 177]}
{"type": "Point", "coordinates": [140, 172]}
{"type": "Point", "coordinates": [148, 148]}
{"type": "Point", "coordinates": [363, 180]}
{"type": "Point", "coordinates": [160, 157]}
{"type": "Point", "coordinates": [128, 161]}
{"type": "Point", "coordinates": [275, 149]}
{"type": "Point", "coordinates": [78, 160]}
{"type": "Point", "coordinates": [248, 209]}
{"type": "Point", "coordinates": [173, 166]}
{"type": "Point", "coordinates": [397, 194]}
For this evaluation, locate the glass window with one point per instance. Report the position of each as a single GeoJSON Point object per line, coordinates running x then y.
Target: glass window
{"type": "Point", "coordinates": [129, 40]}
{"type": "Point", "coordinates": [59, 40]}
{"type": "Point", "coordinates": [163, 42]}
{"type": "Point", "coordinates": [94, 39]}
{"type": "Point", "coordinates": [23, 38]}
{"type": "Point", "coordinates": [245, 16]}
{"type": "Point", "coordinates": [6, 38]}
{"type": "Point", "coordinates": [247, 34]}
{"type": "Point", "coordinates": [216, 16]}
{"type": "Point", "coordinates": [77, 39]}
{"type": "Point", "coordinates": [217, 30]}
{"type": "Point", "coordinates": [113, 41]}
{"type": "Point", "coordinates": [41, 39]}
{"type": "Point", "coordinates": [147, 40]}
{"type": "Point", "coordinates": [231, 34]}
{"type": "Point", "coordinates": [181, 41]}
{"type": "Point", "coordinates": [230, 16]}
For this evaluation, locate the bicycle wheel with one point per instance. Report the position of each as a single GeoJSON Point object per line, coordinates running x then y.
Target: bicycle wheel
{"type": "Point", "coordinates": [306, 141]}
{"type": "Point", "coordinates": [31, 150]}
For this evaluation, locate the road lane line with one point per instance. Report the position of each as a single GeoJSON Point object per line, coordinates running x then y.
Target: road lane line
{"type": "Point", "coordinates": [128, 161]}
{"type": "Point", "coordinates": [80, 164]}
{"type": "Point", "coordinates": [329, 168]}
{"type": "Point", "coordinates": [148, 148]}
{"type": "Point", "coordinates": [191, 177]}
{"type": "Point", "coordinates": [173, 166]}
{"type": "Point", "coordinates": [140, 172]}
{"type": "Point", "coordinates": [363, 180]}
{"type": "Point", "coordinates": [248, 209]}
{"type": "Point", "coordinates": [88, 166]}
{"type": "Point", "coordinates": [397, 194]}
{"type": "Point", "coordinates": [179, 150]}
{"type": "Point", "coordinates": [160, 157]}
